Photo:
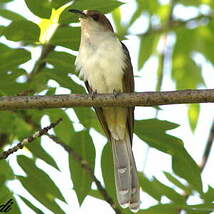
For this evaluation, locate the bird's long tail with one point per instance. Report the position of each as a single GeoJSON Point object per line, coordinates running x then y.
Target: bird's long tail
{"type": "Point", "coordinates": [126, 180]}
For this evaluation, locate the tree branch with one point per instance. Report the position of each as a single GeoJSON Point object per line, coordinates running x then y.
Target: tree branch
{"type": "Point", "coordinates": [37, 134]}
{"type": "Point", "coordinates": [123, 99]}
{"type": "Point", "coordinates": [84, 164]}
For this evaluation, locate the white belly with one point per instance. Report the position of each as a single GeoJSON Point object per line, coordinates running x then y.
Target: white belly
{"type": "Point", "coordinates": [102, 65]}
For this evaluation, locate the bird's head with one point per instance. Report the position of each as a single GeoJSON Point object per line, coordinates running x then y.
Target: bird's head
{"type": "Point", "coordinates": [93, 21]}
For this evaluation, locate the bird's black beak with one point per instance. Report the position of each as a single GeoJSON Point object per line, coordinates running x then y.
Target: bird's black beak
{"type": "Point", "coordinates": [78, 12]}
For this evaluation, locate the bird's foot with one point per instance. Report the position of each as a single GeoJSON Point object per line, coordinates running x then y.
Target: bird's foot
{"type": "Point", "coordinates": [116, 93]}
{"type": "Point", "coordinates": [93, 94]}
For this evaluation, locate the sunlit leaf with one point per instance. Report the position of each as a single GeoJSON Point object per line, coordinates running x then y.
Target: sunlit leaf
{"type": "Point", "coordinates": [147, 46]}
{"type": "Point", "coordinates": [49, 26]}
{"type": "Point", "coordinates": [193, 113]}
{"type": "Point", "coordinates": [186, 73]}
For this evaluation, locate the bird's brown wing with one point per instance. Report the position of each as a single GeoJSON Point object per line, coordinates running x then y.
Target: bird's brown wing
{"type": "Point", "coordinates": [128, 86]}
{"type": "Point", "coordinates": [100, 114]}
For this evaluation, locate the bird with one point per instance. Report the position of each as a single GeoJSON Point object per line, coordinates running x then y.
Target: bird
{"type": "Point", "coordinates": [105, 66]}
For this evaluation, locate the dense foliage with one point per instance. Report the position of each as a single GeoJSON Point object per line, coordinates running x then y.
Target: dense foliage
{"type": "Point", "coordinates": [23, 73]}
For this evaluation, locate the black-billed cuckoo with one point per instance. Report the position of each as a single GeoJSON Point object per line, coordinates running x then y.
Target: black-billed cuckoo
{"type": "Point", "coordinates": [105, 65]}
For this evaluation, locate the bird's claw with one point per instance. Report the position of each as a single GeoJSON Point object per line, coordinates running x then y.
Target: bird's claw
{"type": "Point", "coordinates": [116, 93]}
{"type": "Point", "coordinates": [93, 94]}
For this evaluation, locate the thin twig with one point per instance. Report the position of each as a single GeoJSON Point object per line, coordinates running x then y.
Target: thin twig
{"type": "Point", "coordinates": [27, 140]}
{"type": "Point", "coordinates": [207, 148]}
{"type": "Point", "coordinates": [123, 99]}
{"type": "Point", "coordinates": [172, 24]}
{"type": "Point", "coordinates": [84, 164]}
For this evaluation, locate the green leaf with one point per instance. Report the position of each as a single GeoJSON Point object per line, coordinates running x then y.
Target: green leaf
{"type": "Point", "coordinates": [6, 124]}
{"type": "Point", "coordinates": [63, 79]}
{"type": "Point", "coordinates": [120, 29]}
{"type": "Point", "coordinates": [190, 2]}
{"type": "Point", "coordinates": [169, 192]}
{"type": "Point", "coordinates": [138, 12]}
{"type": "Point", "coordinates": [58, 3]}
{"type": "Point", "coordinates": [88, 118]}
{"type": "Point", "coordinates": [161, 209]}
{"type": "Point", "coordinates": [2, 28]}
{"type": "Point", "coordinates": [156, 189]}
{"type": "Point", "coordinates": [5, 1]}
{"type": "Point", "coordinates": [149, 6]}
{"type": "Point", "coordinates": [39, 8]}
{"type": "Point", "coordinates": [82, 144]}
{"type": "Point", "coordinates": [149, 187]}
{"type": "Point", "coordinates": [14, 124]}
{"type": "Point", "coordinates": [108, 170]}
{"type": "Point", "coordinates": [11, 15]}
{"type": "Point", "coordinates": [12, 57]}
{"type": "Point", "coordinates": [148, 44]}
{"type": "Point", "coordinates": [95, 194]}
{"type": "Point", "coordinates": [21, 128]}
{"type": "Point", "coordinates": [29, 204]}
{"type": "Point", "coordinates": [65, 129]}
{"type": "Point", "coordinates": [61, 61]}
{"type": "Point", "coordinates": [51, 91]}
{"type": "Point", "coordinates": [100, 5]}
{"type": "Point", "coordinates": [7, 197]}
{"type": "Point", "coordinates": [202, 40]}
{"type": "Point", "coordinates": [173, 208]}
{"type": "Point", "coordinates": [39, 152]}
{"type": "Point", "coordinates": [209, 195]}
{"type": "Point", "coordinates": [177, 183]}
{"type": "Point", "coordinates": [39, 184]}
{"type": "Point", "coordinates": [193, 114]}
{"type": "Point", "coordinates": [9, 83]}
{"type": "Point", "coordinates": [6, 172]}
{"type": "Point", "coordinates": [155, 124]}
{"type": "Point", "coordinates": [22, 30]}
{"type": "Point", "coordinates": [68, 37]}
{"type": "Point", "coordinates": [200, 208]}
{"type": "Point", "coordinates": [184, 166]}
{"type": "Point", "coordinates": [185, 72]}
{"type": "Point", "coordinates": [182, 163]}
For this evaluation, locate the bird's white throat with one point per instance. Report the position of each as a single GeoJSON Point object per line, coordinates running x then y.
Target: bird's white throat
{"type": "Point", "coordinates": [101, 61]}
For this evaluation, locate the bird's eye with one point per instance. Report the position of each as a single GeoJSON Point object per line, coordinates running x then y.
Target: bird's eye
{"type": "Point", "coordinates": [95, 17]}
